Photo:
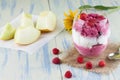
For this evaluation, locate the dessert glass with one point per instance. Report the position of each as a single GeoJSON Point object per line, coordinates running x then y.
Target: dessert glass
{"type": "Point", "coordinates": [90, 33]}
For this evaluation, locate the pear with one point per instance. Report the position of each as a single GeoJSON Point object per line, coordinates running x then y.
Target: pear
{"type": "Point", "coordinates": [26, 20]}
{"type": "Point", "coordinates": [46, 21]}
{"type": "Point", "coordinates": [26, 35]}
{"type": "Point", "coordinates": [7, 32]}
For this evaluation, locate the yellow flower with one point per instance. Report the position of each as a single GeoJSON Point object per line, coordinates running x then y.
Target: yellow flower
{"type": "Point", "coordinates": [68, 21]}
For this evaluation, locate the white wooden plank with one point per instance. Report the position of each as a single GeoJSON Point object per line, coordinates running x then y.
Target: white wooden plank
{"type": "Point", "coordinates": [10, 67]}
{"type": "Point", "coordinates": [21, 66]}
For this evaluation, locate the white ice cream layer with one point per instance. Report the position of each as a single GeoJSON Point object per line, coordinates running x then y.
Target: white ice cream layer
{"type": "Point", "coordinates": [89, 42]}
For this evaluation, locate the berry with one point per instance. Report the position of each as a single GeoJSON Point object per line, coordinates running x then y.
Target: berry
{"type": "Point", "coordinates": [80, 59]}
{"type": "Point", "coordinates": [56, 60]}
{"type": "Point", "coordinates": [89, 65]}
{"type": "Point", "coordinates": [101, 63]}
{"type": "Point", "coordinates": [100, 17]}
{"type": "Point", "coordinates": [91, 22]}
{"type": "Point", "coordinates": [68, 74]}
{"type": "Point", "coordinates": [83, 16]}
{"type": "Point", "coordinates": [55, 51]}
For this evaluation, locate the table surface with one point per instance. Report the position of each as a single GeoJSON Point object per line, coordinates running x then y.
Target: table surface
{"type": "Point", "coordinates": [18, 65]}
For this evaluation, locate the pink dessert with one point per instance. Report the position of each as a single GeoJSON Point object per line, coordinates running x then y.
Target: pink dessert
{"type": "Point", "coordinates": [90, 34]}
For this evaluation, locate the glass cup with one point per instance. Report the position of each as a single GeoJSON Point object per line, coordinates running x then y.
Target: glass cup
{"type": "Point", "coordinates": [90, 33]}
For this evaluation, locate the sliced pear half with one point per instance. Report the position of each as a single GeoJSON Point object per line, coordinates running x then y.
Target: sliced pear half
{"type": "Point", "coordinates": [26, 35]}
{"type": "Point", "coordinates": [46, 21]}
{"type": "Point", "coordinates": [7, 32]}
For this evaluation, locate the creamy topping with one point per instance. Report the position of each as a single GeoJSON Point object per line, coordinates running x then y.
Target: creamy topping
{"type": "Point", "coordinates": [88, 41]}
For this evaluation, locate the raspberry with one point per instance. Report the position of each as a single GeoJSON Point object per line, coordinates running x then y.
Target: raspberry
{"type": "Point", "coordinates": [55, 51]}
{"type": "Point", "coordinates": [101, 63]}
{"type": "Point", "coordinates": [89, 65]}
{"type": "Point", "coordinates": [83, 16]}
{"type": "Point", "coordinates": [100, 17]}
{"type": "Point", "coordinates": [91, 22]}
{"type": "Point", "coordinates": [68, 74]}
{"type": "Point", "coordinates": [56, 60]}
{"type": "Point", "coordinates": [80, 59]}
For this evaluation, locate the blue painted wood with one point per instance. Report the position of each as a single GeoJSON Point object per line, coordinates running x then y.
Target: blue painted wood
{"type": "Point", "coordinates": [5, 58]}
{"type": "Point", "coordinates": [12, 6]}
{"type": "Point", "coordinates": [31, 8]}
{"type": "Point", "coordinates": [70, 5]}
{"type": "Point", "coordinates": [46, 64]}
{"type": "Point", "coordinates": [94, 76]}
{"type": "Point", "coordinates": [3, 4]}
{"type": "Point", "coordinates": [90, 2]}
{"type": "Point", "coordinates": [81, 2]}
{"type": "Point", "coordinates": [19, 55]}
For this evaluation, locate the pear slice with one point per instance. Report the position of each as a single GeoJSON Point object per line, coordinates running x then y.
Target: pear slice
{"type": "Point", "coordinates": [26, 35]}
{"type": "Point", "coordinates": [7, 32]}
{"type": "Point", "coordinates": [46, 21]}
{"type": "Point", "coordinates": [26, 20]}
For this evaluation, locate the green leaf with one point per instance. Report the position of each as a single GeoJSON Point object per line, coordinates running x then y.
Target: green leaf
{"type": "Point", "coordinates": [110, 11]}
{"type": "Point", "coordinates": [98, 7]}
{"type": "Point", "coordinates": [101, 7]}
{"type": "Point", "coordinates": [85, 7]}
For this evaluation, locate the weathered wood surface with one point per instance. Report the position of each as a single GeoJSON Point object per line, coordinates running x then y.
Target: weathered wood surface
{"type": "Point", "coordinates": [18, 65]}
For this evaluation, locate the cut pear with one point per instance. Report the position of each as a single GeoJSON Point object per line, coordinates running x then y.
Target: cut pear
{"type": "Point", "coordinates": [26, 35]}
{"type": "Point", "coordinates": [26, 20]}
{"type": "Point", "coordinates": [7, 32]}
{"type": "Point", "coordinates": [46, 21]}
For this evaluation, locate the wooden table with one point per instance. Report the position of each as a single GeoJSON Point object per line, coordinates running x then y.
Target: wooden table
{"type": "Point", "coordinates": [18, 65]}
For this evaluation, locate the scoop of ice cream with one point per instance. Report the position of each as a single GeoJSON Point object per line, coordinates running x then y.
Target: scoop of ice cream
{"type": "Point", "coordinates": [93, 25]}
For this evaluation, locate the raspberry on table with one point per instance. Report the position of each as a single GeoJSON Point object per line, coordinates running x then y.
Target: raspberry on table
{"type": "Point", "coordinates": [55, 51]}
{"type": "Point", "coordinates": [89, 65]}
{"type": "Point", "coordinates": [56, 60]}
{"type": "Point", "coordinates": [101, 63]}
{"type": "Point", "coordinates": [80, 59]}
{"type": "Point", "coordinates": [68, 74]}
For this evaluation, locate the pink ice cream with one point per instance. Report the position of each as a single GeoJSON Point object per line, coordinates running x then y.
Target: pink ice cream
{"type": "Point", "coordinates": [90, 34]}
